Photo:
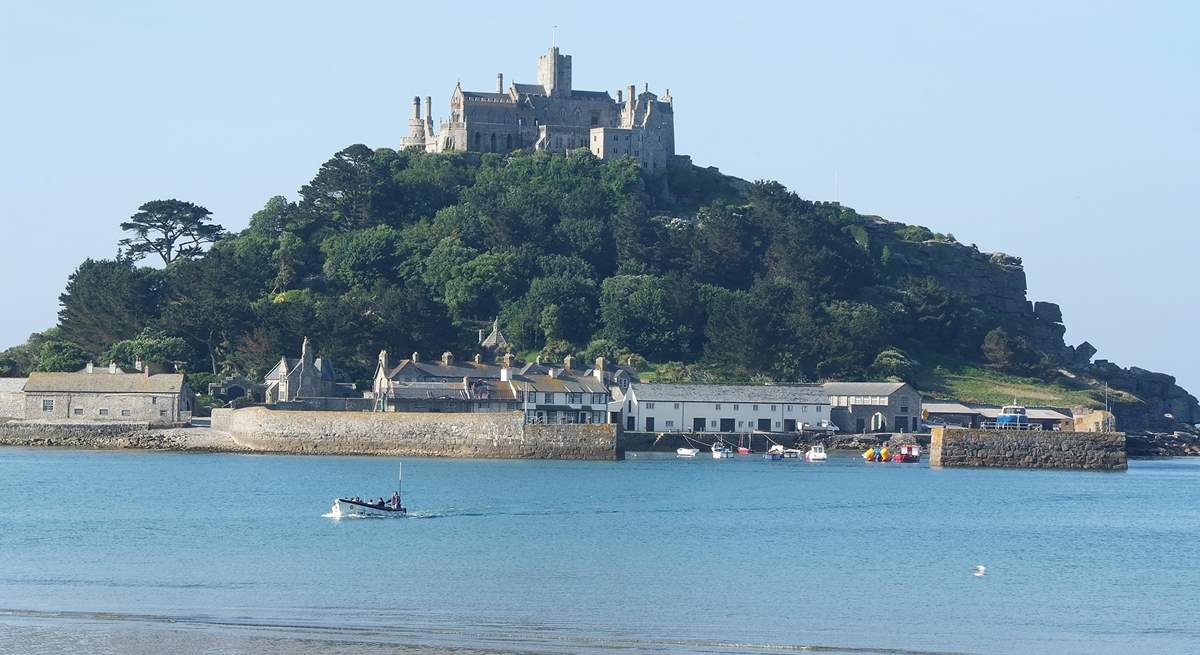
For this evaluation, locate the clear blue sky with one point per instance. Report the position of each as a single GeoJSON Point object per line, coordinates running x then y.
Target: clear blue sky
{"type": "Point", "coordinates": [1066, 133]}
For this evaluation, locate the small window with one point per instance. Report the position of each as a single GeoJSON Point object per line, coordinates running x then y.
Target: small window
{"type": "Point", "coordinates": [649, 405]}
{"type": "Point", "coordinates": [772, 408]}
{"type": "Point", "coordinates": [103, 412]}
{"type": "Point", "coordinates": [904, 409]}
{"type": "Point", "coordinates": [162, 412]}
{"type": "Point", "coordinates": [78, 411]}
{"type": "Point", "coordinates": [789, 408]}
{"type": "Point", "coordinates": [153, 400]}
{"type": "Point", "coordinates": [676, 405]}
{"type": "Point", "coordinates": [735, 408]}
{"type": "Point", "coordinates": [777, 424]}
{"type": "Point", "coordinates": [717, 406]}
{"type": "Point", "coordinates": [670, 424]}
{"type": "Point", "coordinates": [124, 412]}
{"type": "Point", "coordinates": [47, 405]}
{"type": "Point", "coordinates": [755, 408]}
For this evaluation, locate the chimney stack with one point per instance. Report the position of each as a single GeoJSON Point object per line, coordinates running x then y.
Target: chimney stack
{"type": "Point", "coordinates": [112, 368]}
{"type": "Point", "coordinates": [416, 357]}
{"type": "Point", "coordinates": [499, 82]}
{"type": "Point", "coordinates": [568, 363]}
{"type": "Point", "coordinates": [137, 363]}
{"type": "Point", "coordinates": [480, 337]}
{"type": "Point", "coordinates": [478, 357]}
{"type": "Point", "coordinates": [146, 370]}
{"type": "Point", "coordinates": [507, 360]}
{"type": "Point", "coordinates": [538, 360]}
{"type": "Point", "coordinates": [447, 358]}
{"type": "Point", "coordinates": [91, 367]}
{"type": "Point", "coordinates": [620, 96]}
{"type": "Point", "coordinates": [598, 369]}
{"type": "Point", "coordinates": [383, 361]}
{"type": "Point", "coordinates": [416, 108]}
{"type": "Point", "coordinates": [429, 108]}
{"type": "Point", "coordinates": [505, 375]}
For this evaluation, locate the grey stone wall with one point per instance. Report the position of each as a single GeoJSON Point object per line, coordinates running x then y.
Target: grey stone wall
{"type": "Point", "coordinates": [155, 409]}
{"type": "Point", "coordinates": [12, 404]}
{"type": "Point", "coordinates": [498, 435]}
{"type": "Point", "coordinates": [1027, 449]}
{"type": "Point", "coordinates": [69, 435]}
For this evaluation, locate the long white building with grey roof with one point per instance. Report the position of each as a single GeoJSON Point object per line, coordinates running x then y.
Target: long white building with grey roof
{"type": "Point", "coordinates": [724, 408]}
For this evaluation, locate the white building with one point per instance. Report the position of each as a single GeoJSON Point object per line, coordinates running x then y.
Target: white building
{"type": "Point", "coordinates": [724, 408]}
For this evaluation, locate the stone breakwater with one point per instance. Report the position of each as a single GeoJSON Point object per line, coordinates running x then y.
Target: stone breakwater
{"type": "Point", "coordinates": [492, 435]}
{"type": "Point", "coordinates": [1027, 449]}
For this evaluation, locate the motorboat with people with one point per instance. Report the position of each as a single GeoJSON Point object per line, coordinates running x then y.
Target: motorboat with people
{"type": "Point", "coordinates": [721, 451]}
{"type": "Point", "coordinates": [816, 453]}
{"type": "Point", "coordinates": [355, 507]}
{"type": "Point", "coordinates": [687, 452]}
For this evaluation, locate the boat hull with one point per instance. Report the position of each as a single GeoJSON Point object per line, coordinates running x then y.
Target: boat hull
{"type": "Point", "coordinates": [346, 508]}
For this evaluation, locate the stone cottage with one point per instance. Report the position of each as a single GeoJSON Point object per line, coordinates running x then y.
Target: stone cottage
{"type": "Point", "coordinates": [109, 394]}
{"type": "Point", "coordinates": [294, 379]}
{"type": "Point", "coordinates": [12, 399]}
{"type": "Point", "coordinates": [860, 407]}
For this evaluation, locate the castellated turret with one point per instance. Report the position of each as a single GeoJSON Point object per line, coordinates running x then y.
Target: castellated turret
{"type": "Point", "coordinates": [551, 115]}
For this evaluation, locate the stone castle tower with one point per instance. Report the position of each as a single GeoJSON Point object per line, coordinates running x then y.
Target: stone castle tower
{"type": "Point", "coordinates": [551, 115]}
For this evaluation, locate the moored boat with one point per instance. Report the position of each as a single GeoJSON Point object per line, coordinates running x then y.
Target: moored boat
{"type": "Point", "coordinates": [816, 454]}
{"type": "Point", "coordinates": [687, 452]}
{"type": "Point", "coordinates": [721, 451]}
{"type": "Point", "coordinates": [774, 453]}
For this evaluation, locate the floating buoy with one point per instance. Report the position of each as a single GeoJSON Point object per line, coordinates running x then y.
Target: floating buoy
{"type": "Point", "coordinates": [980, 570]}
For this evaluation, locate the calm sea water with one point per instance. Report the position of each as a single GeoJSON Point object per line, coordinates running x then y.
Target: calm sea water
{"type": "Point", "coordinates": [127, 552]}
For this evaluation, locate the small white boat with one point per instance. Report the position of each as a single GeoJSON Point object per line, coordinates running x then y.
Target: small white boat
{"type": "Point", "coordinates": [816, 454]}
{"type": "Point", "coordinates": [721, 451]}
{"type": "Point", "coordinates": [356, 507]}
{"type": "Point", "coordinates": [774, 453]}
{"type": "Point", "coordinates": [792, 453]}
{"type": "Point", "coordinates": [687, 452]}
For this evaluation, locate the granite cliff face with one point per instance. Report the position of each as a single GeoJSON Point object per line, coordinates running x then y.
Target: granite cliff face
{"type": "Point", "coordinates": [996, 281]}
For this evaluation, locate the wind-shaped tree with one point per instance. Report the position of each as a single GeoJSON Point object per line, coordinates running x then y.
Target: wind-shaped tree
{"type": "Point", "coordinates": [170, 229]}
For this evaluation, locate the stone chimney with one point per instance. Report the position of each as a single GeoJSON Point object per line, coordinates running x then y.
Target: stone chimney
{"type": "Point", "coordinates": [137, 363]}
{"type": "Point", "coordinates": [383, 360]}
{"type": "Point", "coordinates": [91, 367]}
{"type": "Point", "coordinates": [416, 108]}
{"type": "Point", "coordinates": [568, 363]}
{"type": "Point", "coordinates": [428, 116]}
{"type": "Point", "coordinates": [598, 369]}
{"type": "Point", "coordinates": [112, 368]}
{"type": "Point", "coordinates": [505, 373]}
{"type": "Point", "coordinates": [507, 360]}
{"type": "Point", "coordinates": [447, 358]}
{"type": "Point", "coordinates": [478, 357]}
{"type": "Point", "coordinates": [480, 337]}
{"type": "Point", "coordinates": [620, 96]}
{"type": "Point", "coordinates": [538, 360]}
{"type": "Point", "coordinates": [499, 82]}
{"type": "Point", "coordinates": [554, 372]}
{"type": "Point", "coordinates": [146, 370]}
{"type": "Point", "coordinates": [416, 357]}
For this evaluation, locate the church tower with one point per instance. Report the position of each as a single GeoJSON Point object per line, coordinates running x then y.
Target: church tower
{"type": "Point", "coordinates": [554, 73]}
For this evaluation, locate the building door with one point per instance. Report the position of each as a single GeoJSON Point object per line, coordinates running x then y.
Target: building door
{"type": "Point", "coordinates": [727, 425]}
{"type": "Point", "coordinates": [649, 424]}
{"type": "Point", "coordinates": [916, 427]}
{"type": "Point", "coordinates": [878, 422]}
{"type": "Point", "coordinates": [901, 423]}
{"type": "Point", "coordinates": [764, 425]}
{"type": "Point", "coordinates": [789, 425]}
{"type": "Point", "coordinates": [630, 424]}
{"type": "Point", "coordinates": [698, 425]}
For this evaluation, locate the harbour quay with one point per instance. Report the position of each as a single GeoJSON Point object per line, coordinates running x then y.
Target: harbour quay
{"type": "Point", "coordinates": [1008, 448]}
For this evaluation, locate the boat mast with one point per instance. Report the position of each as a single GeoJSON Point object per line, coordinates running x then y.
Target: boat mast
{"type": "Point", "coordinates": [400, 481]}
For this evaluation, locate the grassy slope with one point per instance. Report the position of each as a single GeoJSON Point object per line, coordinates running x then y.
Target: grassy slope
{"type": "Point", "coordinates": [943, 378]}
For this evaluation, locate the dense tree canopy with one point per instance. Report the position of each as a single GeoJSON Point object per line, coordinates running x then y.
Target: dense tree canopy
{"type": "Point", "coordinates": [708, 276]}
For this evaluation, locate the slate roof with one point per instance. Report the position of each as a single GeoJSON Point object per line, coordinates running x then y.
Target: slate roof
{"type": "Point", "coordinates": [529, 89]}
{"type": "Point", "coordinates": [862, 388]}
{"type": "Point", "coordinates": [730, 393]}
{"type": "Point", "coordinates": [948, 408]}
{"type": "Point", "coordinates": [1032, 413]}
{"type": "Point", "coordinates": [487, 95]}
{"type": "Point", "coordinates": [591, 95]}
{"type": "Point", "coordinates": [294, 362]}
{"type": "Point", "coordinates": [101, 381]}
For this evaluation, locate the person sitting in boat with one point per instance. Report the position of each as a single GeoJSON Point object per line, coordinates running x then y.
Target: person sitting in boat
{"type": "Point", "coordinates": [395, 501]}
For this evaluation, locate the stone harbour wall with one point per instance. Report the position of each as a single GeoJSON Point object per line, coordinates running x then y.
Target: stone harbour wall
{"type": "Point", "coordinates": [1027, 449]}
{"type": "Point", "coordinates": [493, 435]}
{"type": "Point", "coordinates": [69, 435]}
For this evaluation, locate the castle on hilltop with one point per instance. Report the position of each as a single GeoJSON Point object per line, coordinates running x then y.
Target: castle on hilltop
{"type": "Point", "coordinates": [553, 116]}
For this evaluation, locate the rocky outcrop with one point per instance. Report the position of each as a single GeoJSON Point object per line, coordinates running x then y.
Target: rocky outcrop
{"type": "Point", "coordinates": [1162, 444]}
{"type": "Point", "coordinates": [1161, 405]}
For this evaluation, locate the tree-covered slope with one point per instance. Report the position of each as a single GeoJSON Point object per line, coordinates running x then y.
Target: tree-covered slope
{"type": "Point", "coordinates": [703, 276]}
